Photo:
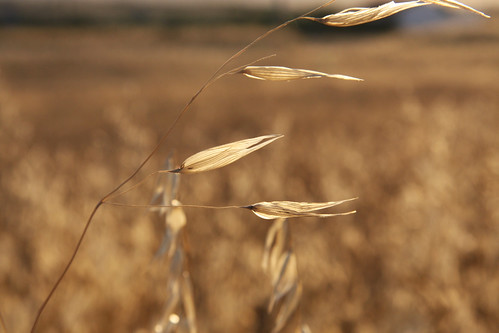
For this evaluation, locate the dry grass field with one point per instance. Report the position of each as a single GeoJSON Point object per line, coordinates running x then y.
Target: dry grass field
{"type": "Point", "coordinates": [417, 142]}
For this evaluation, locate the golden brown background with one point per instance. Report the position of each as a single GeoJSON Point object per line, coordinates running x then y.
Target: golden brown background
{"type": "Point", "coordinates": [417, 142]}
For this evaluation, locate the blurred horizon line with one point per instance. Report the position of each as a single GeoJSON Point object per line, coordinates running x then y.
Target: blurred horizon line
{"type": "Point", "coordinates": [163, 12]}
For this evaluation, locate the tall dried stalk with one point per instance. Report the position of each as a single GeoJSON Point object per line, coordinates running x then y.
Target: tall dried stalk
{"type": "Point", "coordinates": [179, 314]}
{"type": "Point", "coordinates": [353, 16]}
{"type": "Point", "coordinates": [279, 263]}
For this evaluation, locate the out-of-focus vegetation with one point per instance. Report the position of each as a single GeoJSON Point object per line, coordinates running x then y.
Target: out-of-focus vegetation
{"type": "Point", "coordinates": [131, 13]}
{"type": "Point", "coordinates": [417, 142]}
{"type": "Point", "coordinates": [77, 13]}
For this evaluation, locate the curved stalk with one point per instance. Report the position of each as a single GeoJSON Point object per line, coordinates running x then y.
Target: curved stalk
{"type": "Point", "coordinates": [216, 75]}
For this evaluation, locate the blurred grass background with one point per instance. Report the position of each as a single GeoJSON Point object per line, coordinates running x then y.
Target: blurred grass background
{"type": "Point", "coordinates": [80, 106]}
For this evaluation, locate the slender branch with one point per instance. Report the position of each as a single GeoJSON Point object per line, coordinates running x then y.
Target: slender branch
{"type": "Point", "coordinates": [264, 35]}
{"type": "Point", "coordinates": [122, 204]}
{"type": "Point", "coordinates": [216, 75]}
{"type": "Point", "coordinates": [240, 68]}
{"type": "Point", "coordinates": [115, 195]}
{"type": "Point", "coordinates": [47, 299]}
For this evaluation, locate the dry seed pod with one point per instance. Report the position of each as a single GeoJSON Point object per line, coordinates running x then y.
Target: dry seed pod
{"type": "Point", "coordinates": [457, 5]}
{"type": "Point", "coordinates": [175, 218]}
{"type": "Point", "coordinates": [287, 209]}
{"type": "Point", "coordinates": [284, 277]}
{"type": "Point", "coordinates": [279, 73]}
{"type": "Point", "coordinates": [288, 308]}
{"type": "Point", "coordinates": [356, 16]}
{"type": "Point", "coordinates": [221, 156]}
{"type": "Point", "coordinates": [274, 243]}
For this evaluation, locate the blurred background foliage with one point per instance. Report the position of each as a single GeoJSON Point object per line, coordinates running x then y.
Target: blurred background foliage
{"type": "Point", "coordinates": [84, 97]}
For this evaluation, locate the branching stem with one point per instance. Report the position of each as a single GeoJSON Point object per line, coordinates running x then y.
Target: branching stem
{"type": "Point", "coordinates": [216, 75]}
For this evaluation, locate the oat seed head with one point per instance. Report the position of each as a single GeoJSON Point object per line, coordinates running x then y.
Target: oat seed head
{"type": "Point", "coordinates": [287, 209]}
{"type": "Point", "coordinates": [361, 15]}
{"type": "Point", "coordinates": [279, 73]}
{"type": "Point", "coordinates": [284, 277]}
{"type": "Point", "coordinates": [223, 155]}
{"type": "Point", "coordinates": [274, 244]}
{"type": "Point", "coordinates": [456, 5]}
{"type": "Point", "coordinates": [288, 308]}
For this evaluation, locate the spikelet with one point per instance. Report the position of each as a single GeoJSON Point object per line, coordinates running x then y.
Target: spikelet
{"type": "Point", "coordinates": [178, 313]}
{"type": "Point", "coordinates": [179, 305]}
{"type": "Point", "coordinates": [355, 16]}
{"type": "Point", "coordinates": [361, 15]}
{"type": "Point", "coordinates": [456, 5]}
{"type": "Point", "coordinates": [274, 243]}
{"type": "Point", "coordinates": [287, 209]}
{"type": "Point", "coordinates": [279, 73]}
{"type": "Point", "coordinates": [284, 277]}
{"type": "Point", "coordinates": [223, 155]}
{"type": "Point", "coordinates": [289, 307]}
{"type": "Point", "coordinates": [279, 263]}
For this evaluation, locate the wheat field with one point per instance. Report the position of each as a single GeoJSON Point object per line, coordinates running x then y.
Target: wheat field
{"type": "Point", "coordinates": [416, 142]}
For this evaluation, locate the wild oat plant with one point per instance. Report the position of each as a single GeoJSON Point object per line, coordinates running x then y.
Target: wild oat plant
{"type": "Point", "coordinates": [280, 261]}
{"type": "Point", "coordinates": [179, 314]}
